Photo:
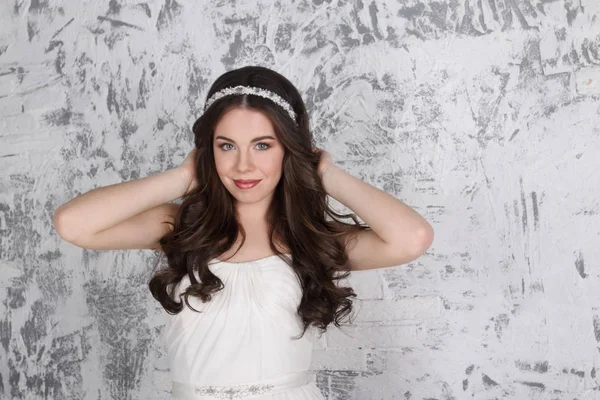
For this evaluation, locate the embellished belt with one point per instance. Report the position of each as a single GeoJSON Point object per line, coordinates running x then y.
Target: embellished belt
{"type": "Point", "coordinates": [188, 391]}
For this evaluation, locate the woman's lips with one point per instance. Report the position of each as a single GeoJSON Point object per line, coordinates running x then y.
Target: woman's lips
{"type": "Point", "coordinates": [244, 184]}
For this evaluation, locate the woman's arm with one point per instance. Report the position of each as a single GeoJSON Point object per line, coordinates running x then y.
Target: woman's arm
{"type": "Point", "coordinates": [100, 209]}
{"type": "Point", "coordinates": [399, 233]}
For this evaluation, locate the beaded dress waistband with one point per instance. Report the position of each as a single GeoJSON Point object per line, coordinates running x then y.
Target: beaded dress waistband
{"type": "Point", "coordinates": [188, 391]}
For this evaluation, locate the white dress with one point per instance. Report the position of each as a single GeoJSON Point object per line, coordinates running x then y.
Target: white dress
{"type": "Point", "coordinates": [240, 345]}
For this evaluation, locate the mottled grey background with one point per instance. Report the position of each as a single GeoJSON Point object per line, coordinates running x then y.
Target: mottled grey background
{"type": "Point", "coordinates": [481, 114]}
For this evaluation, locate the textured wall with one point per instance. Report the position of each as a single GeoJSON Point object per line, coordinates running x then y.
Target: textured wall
{"type": "Point", "coordinates": [481, 114]}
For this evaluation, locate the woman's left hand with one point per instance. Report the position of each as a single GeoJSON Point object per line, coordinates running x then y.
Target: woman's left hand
{"type": "Point", "coordinates": [325, 160]}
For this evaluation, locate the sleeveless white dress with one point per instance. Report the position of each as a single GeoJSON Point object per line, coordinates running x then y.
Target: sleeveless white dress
{"type": "Point", "coordinates": [240, 345]}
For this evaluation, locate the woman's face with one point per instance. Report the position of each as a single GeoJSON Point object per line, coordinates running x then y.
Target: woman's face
{"type": "Point", "coordinates": [246, 147]}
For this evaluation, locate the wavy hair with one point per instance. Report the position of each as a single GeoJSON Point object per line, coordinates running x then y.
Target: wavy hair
{"type": "Point", "coordinates": [206, 224]}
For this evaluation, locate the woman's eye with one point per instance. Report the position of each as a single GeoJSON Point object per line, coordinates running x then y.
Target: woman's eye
{"type": "Point", "coordinates": [267, 146]}
{"type": "Point", "coordinates": [229, 144]}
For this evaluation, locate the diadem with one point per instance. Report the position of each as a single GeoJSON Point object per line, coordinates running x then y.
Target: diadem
{"type": "Point", "coordinates": [238, 90]}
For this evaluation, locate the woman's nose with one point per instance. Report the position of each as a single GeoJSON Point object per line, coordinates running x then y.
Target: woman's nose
{"type": "Point", "coordinates": [244, 160]}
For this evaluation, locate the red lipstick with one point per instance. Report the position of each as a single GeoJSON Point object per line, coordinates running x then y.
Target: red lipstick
{"type": "Point", "coordinates": [246, 184]}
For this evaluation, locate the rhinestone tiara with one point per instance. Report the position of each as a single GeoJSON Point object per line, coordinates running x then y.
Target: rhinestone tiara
{"type": "Point", "coordinates": [267, 94]}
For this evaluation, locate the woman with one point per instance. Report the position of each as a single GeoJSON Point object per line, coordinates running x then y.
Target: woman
{"type": "Point", "coordinates": [253, 263]}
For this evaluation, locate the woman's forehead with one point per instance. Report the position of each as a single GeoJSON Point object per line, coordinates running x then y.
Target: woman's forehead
{"type": "Point", "coordinates": [244, 125]}
{"type": "Point", "coordinates": [243, 119]}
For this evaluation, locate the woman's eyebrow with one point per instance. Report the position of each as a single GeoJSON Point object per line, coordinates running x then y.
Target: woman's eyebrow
{"type": "Point", "coordinates": [256, 139]}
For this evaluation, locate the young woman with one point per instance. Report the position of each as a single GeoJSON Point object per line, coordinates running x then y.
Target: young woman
{"type": "Point", "coordinates": [253, 262]}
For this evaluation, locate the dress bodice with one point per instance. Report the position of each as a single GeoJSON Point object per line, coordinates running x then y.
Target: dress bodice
{"type": "Point", "coordinates": [244, 333]}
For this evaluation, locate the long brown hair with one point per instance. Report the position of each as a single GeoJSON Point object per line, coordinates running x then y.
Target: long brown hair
{"type": "Point", "coordinates": [206, 225]}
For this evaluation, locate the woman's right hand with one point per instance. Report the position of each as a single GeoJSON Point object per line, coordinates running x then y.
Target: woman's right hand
{"type": "Point", "coordinates": [188, 169]}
